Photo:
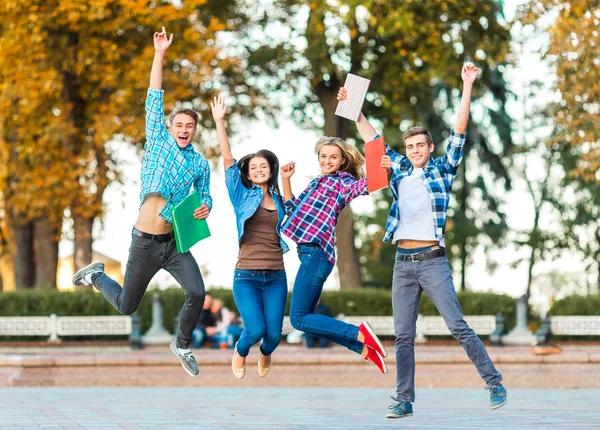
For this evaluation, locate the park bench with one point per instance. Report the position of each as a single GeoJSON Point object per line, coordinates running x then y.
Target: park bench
{"type": "Point", "coordinates": [483, 325]}
{"type": "Point", "coordinates": [56, 327]}
{"type": "Point", "coordinates": [568, 325]}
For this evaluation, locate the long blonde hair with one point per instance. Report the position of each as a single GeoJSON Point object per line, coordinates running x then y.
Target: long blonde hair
{"type": "Point", "coordinates": [353, 159]}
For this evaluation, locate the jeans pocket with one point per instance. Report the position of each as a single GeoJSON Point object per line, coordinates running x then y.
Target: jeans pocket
{"type": "Point", "coordinates": [325, 268]}
{"type": "Point", "coordinates": [141, 242]}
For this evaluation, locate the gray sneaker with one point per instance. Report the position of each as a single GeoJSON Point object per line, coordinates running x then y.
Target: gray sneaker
{"type": "Point", "coordinates": [187, 360]}
{"type": "Point", "coordinates": [83, 276]}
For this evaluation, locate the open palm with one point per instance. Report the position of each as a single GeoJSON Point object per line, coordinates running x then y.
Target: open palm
{"type": "Point", "coordinates": [218, 107]}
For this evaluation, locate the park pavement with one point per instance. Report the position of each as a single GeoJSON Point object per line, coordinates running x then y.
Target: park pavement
{"type": "Point", "coordinates": [578, 366]}
{"type": "Point", "coordinates": [289, 408]}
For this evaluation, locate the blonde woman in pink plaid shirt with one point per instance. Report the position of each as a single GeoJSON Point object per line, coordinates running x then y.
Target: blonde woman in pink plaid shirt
{"type": "Point", "coordinates": [311, 222]}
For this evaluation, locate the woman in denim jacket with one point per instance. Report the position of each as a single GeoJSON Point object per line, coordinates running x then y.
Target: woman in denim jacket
{"type": "Point", "coordinates": [259, 284]}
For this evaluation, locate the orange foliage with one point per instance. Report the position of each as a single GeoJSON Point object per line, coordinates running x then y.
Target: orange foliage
{"type": "Point", "coordinates": [574, 49]}
{"type": "Point", "coordinates": [73, 76]}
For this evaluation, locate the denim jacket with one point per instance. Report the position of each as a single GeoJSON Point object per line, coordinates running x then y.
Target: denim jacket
{"type": "Point", "coordinates": [246, 201]}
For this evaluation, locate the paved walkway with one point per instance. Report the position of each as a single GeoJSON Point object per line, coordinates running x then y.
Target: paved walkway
{"type": "Point", "coordinates": [288, 408]}
{"type": "Point", "coordinates": [437, 367]}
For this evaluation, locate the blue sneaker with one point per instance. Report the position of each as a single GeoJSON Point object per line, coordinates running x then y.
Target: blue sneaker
{"type": "Point", "coordinates": [497, 396]}
{"type": "Point", "coordinates": [400, 410]}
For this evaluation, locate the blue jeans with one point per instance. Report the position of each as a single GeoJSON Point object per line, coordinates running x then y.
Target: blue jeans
{"type": "Point", "coordinates": [228, 336]}
{"type": "Point", "coordinates": [435, 278]}
{"type": "Point", "coordinates": [260, 297]}
{"type": "Point", "coordinates": [314, 270]}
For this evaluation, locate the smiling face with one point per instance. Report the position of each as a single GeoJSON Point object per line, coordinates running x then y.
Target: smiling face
{"type": "Point", "coordinates": [183, 129]}
{"type": "Point", "coordinates": [259, 171]}
{"type": "Point", "coordinates": [330, 159]}
{"type": "Point", "coordinates": [418, 150]}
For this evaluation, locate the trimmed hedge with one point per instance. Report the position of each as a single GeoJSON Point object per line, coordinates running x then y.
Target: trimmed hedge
{"type": "Point", "coordinates": [576, 305]}
{"type": "Point", "coordinates": [375, 302]}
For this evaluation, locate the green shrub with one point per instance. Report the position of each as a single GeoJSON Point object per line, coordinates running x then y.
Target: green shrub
{"type": "Point", "coordinates": [368, 302]}
{"type": "Point", "coordinates": [576, 305]}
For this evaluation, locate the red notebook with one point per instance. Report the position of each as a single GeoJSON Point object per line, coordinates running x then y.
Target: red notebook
{"type": "Point", "coordinates": [377, 176]}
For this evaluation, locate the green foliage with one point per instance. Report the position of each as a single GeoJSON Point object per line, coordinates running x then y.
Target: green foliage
{"type": "Point", "coordinates": [368, 302]}
{"type": "Point", "coordinates": [576, 305]}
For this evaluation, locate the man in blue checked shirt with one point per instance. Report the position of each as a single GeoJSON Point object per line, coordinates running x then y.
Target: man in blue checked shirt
{"type": "Point", "coordinates": [170, 167]}
{"type": "Point", "coordinates": [421, 187]}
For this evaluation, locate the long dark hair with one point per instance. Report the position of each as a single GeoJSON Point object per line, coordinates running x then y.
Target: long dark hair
{"type": "Point", "coordinates": [244, 166]}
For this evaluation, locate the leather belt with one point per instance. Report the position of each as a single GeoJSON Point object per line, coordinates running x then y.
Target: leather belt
{"type": "Point", "coordinates": [434, 253]}
{"type": "Point", "coordinates": [155, 237]}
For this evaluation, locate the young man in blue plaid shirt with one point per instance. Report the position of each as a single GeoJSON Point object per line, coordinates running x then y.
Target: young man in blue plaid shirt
{"type": "Point", "coordinates": [170, 167]}
{"type": "Point", "coordinates": [421, 188]}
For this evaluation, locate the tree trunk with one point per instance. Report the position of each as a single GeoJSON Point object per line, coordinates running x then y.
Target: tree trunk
{"type": "Point", "coordinates": [82, 245]}
{"type": "Point", "coordinates": [45, 244]}
{"type": "Point", "coordinates": [347, 255]}
{"type": "Point", "coordinates": [24, 256]}
{"type": "Point", "coordinates": [7, 271]}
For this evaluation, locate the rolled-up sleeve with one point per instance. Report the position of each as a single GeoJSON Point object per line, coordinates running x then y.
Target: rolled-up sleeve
{"type": "Point", "coordinates": [351, 189]}
{"type": "Point", "coordinates": [290, 205]}
{"type": "Point", "coordinates": [202, 184]}
{"type": "Point", "coordinates": [233, 181]}
{"type": "Point", "coordinates": [455, 151]}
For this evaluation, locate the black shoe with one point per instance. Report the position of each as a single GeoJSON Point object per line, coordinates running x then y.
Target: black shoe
{"type": "Point", "coordinates": [82, 278]}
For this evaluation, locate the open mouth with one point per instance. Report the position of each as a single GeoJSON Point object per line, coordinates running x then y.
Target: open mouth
{"type": "Point", "coordinates": [184, 139]}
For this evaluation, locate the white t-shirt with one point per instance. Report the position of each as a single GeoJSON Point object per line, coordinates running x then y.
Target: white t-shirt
{"type": "Point", "coordinates": [416, 216]}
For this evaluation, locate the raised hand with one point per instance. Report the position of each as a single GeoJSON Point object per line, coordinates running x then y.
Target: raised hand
{"type": "Point", "coordinates": [469, 73]}
{"type": "Point", "coordinates": [161, 43]}
{"type": "Point", "coordinates": [287, 170]}
{"type": "Point", "coordinates": [342, 94]}
{"type": "Point", "coordinates": [218, 108]}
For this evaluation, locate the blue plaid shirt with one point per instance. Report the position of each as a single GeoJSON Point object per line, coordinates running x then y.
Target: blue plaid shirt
{"type": "Point", "coordinates": [168, 169]}
{"type": "Point", "coordinates": [437, 176]}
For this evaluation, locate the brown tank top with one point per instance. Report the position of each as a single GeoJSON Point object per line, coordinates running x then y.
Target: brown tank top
{"type": "Point", "coordinates": [260, 248]}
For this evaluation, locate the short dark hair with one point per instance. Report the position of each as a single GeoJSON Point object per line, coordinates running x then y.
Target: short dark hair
{"type": "Point", "coordinates": [185, 111]}
{"type": "Point", "coordinates": [414, 131]}
{"type": "Point", "coordinates": [244, 166]}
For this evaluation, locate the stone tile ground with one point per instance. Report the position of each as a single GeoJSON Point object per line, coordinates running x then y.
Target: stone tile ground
{"type": "Point", "coordinates": [289, 408]}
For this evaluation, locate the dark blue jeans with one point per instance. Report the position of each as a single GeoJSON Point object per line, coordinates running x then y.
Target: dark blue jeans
{"type": "Point", "coordinates": [228, 336]}
{"type": "Point", "coordinates": [260, 297]}
{"type": "Point", "coordinates": [435, 278]}
{"type": "Point", "coordinates": [314, 270]}
{"type": "Point", "coordinates": [146, 257]}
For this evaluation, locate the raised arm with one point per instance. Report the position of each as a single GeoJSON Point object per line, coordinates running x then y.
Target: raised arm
{"type": "Point", "coordinates": [219, 110]}
{"type": "Point", "coordinates": [468, 74]}
{"type": "Point", "coordinates": [365, 129]}
{"type": "Point", "coordinates": [161, 44]}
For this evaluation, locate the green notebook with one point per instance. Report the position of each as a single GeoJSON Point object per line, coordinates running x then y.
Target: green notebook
{"type": "Point", "coordinates": [188, 230]}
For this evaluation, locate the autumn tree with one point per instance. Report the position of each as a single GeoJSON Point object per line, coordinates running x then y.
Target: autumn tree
{"type": "Point", "coordinates": [573, 54]}
{"type": "Point", "coordinates": [412, 52]}
{"type": "Point", "coordinates": [74, 76]}
{"type": "Point", "coordinates": [574, 50]}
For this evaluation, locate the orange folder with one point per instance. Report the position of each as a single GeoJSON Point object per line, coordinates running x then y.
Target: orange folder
{"type": "Point", "coordinates": [377, 176]}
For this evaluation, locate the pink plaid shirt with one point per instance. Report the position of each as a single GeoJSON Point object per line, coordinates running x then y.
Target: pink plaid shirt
{"type": "Point", "coordinates": [312, 217]}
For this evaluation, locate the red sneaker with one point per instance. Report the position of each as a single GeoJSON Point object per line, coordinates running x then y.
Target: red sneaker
{"type": "Point", "coordinates": [371, 339]}
{"type": "Point", "coordinates": [374, 357]}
